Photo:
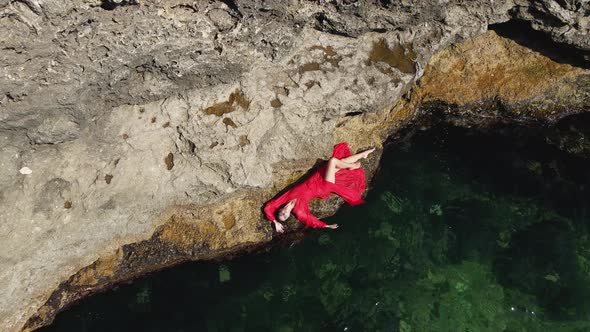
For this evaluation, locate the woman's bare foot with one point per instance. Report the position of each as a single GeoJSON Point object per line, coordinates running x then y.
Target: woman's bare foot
{"type": "Point", "coordinates": [368, 152]}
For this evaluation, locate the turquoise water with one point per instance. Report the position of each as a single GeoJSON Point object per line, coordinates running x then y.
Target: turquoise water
{"type": "Point", "coordinates": [463, 232]}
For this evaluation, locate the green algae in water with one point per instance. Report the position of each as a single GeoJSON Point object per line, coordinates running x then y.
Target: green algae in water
{"type": "Point", "coordinates": [224, 274]}
{"type": "Point", "coordinates": [460, 233]}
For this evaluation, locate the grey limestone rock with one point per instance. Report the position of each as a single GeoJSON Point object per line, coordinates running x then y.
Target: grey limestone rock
{"type": "Point", "coordinates": [54, 130]}
{"type": "Point", "coordinates": [567, 21]}
{"type": "Point", "coordinates": [122, 109]}
{"type": "Point", "coordinates": [222, 19]}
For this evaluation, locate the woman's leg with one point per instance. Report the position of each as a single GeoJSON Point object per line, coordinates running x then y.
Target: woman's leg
{"type": "Point", "coordinates": [355, 157]}
{"type": "Point", "coordinates": [334, 164]}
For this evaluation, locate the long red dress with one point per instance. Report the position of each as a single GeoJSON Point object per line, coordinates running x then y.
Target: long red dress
{"type": "Point", "coordinates": [349, 184]}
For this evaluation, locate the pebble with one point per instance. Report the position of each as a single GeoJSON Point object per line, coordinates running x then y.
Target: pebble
{"type": "Point", "coordinates": [25, 170]}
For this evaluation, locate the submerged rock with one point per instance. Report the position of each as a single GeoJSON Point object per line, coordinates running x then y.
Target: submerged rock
{"type": "Point", "coordinates": [171, 124]}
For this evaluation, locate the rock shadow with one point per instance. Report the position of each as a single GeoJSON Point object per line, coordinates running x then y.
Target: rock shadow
{"type": "Point", "coordinates": [523, 34]}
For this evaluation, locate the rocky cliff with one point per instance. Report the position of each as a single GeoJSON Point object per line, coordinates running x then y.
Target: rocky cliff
{"type": "Point", "coordinates": [139, 134]}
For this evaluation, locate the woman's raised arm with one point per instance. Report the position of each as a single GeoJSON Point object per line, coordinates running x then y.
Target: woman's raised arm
{"type": "Point", "coordinates": [271, 207]}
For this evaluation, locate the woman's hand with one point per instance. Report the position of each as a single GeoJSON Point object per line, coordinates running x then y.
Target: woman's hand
{"type": "Point", "coordinates": [280, 228]}
{"type": "Point", "coordinates": [332, 226]}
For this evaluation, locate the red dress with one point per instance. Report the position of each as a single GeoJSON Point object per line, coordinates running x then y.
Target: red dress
{"type": "Point", "coordinates": [349, 185]}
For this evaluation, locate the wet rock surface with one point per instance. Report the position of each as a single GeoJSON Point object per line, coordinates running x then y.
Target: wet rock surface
{"type": "Point", "coordinates": [152, 133]}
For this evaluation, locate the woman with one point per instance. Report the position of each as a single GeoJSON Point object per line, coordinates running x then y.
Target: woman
{"type": "Point", "coordinates": [342, 174]}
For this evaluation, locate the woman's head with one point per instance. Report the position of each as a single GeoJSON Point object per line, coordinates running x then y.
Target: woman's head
{"type": "Point", "coordinates": [285, 212]}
